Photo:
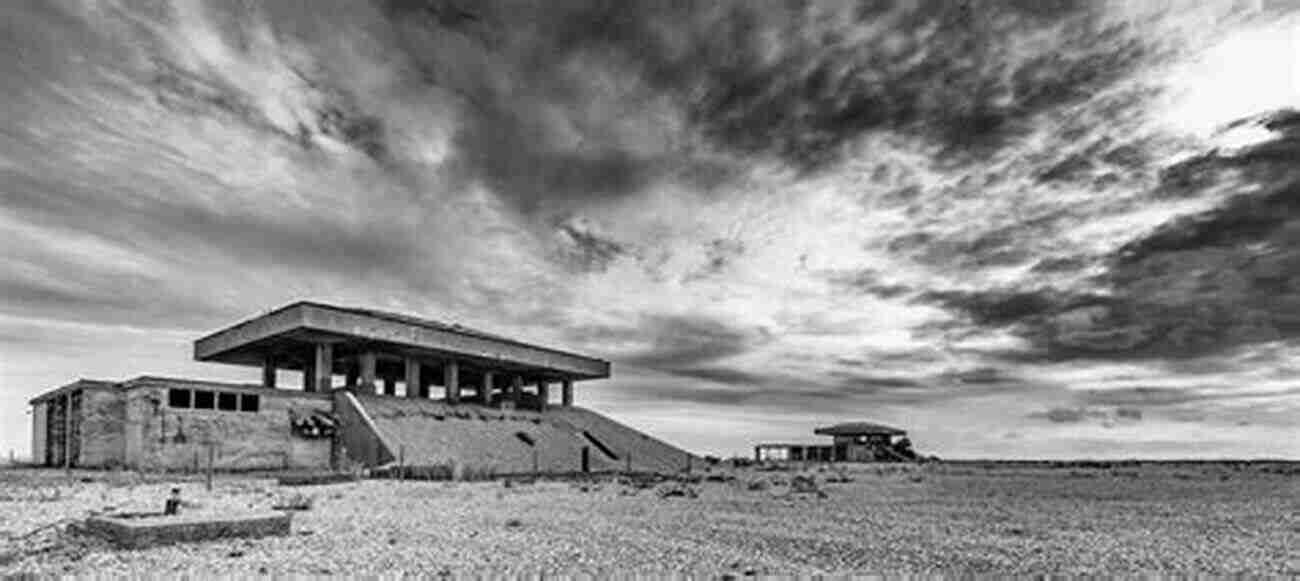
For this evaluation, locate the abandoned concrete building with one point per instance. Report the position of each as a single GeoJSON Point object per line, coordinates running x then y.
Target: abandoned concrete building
{"type": "Point", "coordinates": [379, 390]}
{"type": "Point", "coordinates": [851, 442]}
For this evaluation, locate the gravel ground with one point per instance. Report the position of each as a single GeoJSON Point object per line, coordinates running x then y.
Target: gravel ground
{"type": "Point", "coordinates": [939, 518]}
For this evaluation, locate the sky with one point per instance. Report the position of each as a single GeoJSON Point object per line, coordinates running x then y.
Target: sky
{"type": "Point", "coordinates": [1017, 229]}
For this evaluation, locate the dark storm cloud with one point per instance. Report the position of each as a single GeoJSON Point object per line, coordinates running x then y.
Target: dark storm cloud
{"type": "Point", "coordinates": [330, 111]}
{"type": "Point", "coordinates": [586, 250]}
{"type": "Point", "coordinates": [867, 383]}
{"type": "Point", "coordinates": [1004, 307]}
{"type": "Point", "coordinates": [256, 237]}
{"type": "Point", "coordinates": [956, 86]}
{"type": "Point", "coordinates": [795, 80]}
{"type": "Point", "coordinates": [140, 301]}
{"type": "Point", "coordinates": [1140, 396]}
{"type": "Point", "coordinates": [719, 254]}
{"type": "Point", "coordinates": [749, 396]}
{"type": "Point", "coordinates": [723, 375]}
{"type": "Point", "coordinates": [1061, 415]}
{"type": "Point", "coordinates": [859, 382]}
{"type": "Point", "coordinates": [1198, 285]}
{"type": "Point", "coordinates": [1128, 413]}
{"type": "Point", "coordinates": [866, 281]}
{"type": "Point", "coordinates": [688, 345]}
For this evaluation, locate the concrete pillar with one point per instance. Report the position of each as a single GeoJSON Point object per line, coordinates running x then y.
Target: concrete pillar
{"type": "Point", "coordinates": [67, 429]}
{"type": "Point", "coordinates": [542, 395]}
{"type": "Point", "coordinates": [485, 392]}
{"type": "Point", "coordinates": [566, 393]}
{"type": "Point", "coordinates": [367, 363]}
{"type": "Point", "coordinates": [323, 370]}
{"type": "Point", "coordinates": [390, 385]}
{"type": "Point", "coordinates": [268, 371]}
{"type": "Point", "coordinates": [350, 376]}
{"type": "Point", "coordinates": [451, 381]}
{"type": "Point", "coordinates": [309, 375]}
{"type": "Point", "coordinates": [511, 400]}
{"type": "Point", "coordinates": [412, 377]}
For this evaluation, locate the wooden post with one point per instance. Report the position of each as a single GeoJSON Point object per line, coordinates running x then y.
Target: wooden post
{"type": "Point", "coordinates": [543, 395]}
{"type": "Point", "coordinates": [566, 393]}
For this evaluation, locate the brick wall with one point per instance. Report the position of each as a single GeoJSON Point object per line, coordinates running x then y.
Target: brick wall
{"type": "Point", "coordinates": [160, 436]}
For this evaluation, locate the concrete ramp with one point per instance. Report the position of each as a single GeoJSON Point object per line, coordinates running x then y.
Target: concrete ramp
{"type": "Point", "coordinates": [646, 452]}
{"type": "Point", "coordinates": [481, 441]}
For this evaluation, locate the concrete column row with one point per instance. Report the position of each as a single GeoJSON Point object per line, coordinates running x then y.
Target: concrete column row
{"type": "Point", "coordinates": [318, 376]}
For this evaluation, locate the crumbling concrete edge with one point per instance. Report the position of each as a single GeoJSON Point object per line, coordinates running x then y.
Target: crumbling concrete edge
{"type": "Point", "coordinates": [361, 412]}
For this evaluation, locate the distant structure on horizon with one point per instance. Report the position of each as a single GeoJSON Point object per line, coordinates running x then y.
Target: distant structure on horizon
{"type": "Point", "coordinates": [367, 398]}
{"type": "Point", "coordinates": [852, 442]}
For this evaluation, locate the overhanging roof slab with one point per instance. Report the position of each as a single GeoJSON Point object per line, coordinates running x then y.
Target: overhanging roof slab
{"type": "Point", "coordinates": [408, 333]}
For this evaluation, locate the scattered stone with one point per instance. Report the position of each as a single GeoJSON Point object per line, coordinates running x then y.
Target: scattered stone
{"type": "Point", "coordinates": [806, 485]}
{"type": "Point", "coordinates": [297, 502]}
{"type": "Point", "coordinates": [678, 490]}
{"type": "Point", "coordinates": [316, 478]}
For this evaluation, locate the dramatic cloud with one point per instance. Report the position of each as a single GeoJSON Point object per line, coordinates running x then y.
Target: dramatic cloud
{"type": "Point", "coordinates": [1071, 222]}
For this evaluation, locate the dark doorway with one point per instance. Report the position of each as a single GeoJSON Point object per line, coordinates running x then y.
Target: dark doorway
{"type": "Point", "coordinates": [586, 459]}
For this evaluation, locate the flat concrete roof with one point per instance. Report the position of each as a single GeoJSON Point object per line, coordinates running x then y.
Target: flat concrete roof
{"type": "Point", "coordinates": [172, 382]}
{"type": "Point", "coordinates": [78, 384]}
{"type": "Point", "coordinates": [296, 327]}
{"type": "Point", "coordinates": [858, 429]}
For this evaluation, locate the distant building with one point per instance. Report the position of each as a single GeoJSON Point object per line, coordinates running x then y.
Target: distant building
{"type": "Point", "coordinates": [379, 390]}
{"type": "Point", "coordinates": [852, 442]}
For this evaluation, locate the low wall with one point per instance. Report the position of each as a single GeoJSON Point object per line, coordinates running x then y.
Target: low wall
{"type": "Point", "coordinates": [159, 435]}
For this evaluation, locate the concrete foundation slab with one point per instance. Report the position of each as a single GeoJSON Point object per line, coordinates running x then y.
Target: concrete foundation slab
{"type": "Point", "coordinates": [138, 530]}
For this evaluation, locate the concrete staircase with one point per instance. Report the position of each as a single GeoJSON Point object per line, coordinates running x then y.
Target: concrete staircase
{"type": "Point", "coordinates": [482, 441]}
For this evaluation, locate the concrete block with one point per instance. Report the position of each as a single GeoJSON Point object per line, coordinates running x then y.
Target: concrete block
{"type": "Point", "coordinates": [139, 530]}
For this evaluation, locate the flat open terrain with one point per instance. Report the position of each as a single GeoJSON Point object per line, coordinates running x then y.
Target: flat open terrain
{"type": "Point", "coordinates": [938, 518]}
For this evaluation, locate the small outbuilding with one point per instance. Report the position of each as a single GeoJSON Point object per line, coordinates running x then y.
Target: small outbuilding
{"type": "Point", "coordinates": [851, 442]}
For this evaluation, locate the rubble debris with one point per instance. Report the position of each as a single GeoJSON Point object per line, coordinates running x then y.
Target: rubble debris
{"type": "Point", "coordinates": [296, 502]}
{"type": "Point", "coordinates": [839, 476]}
{"type": "Point", "coordinates": [678, 489]}
{"type": "Point", "coordinates": [806, 485]}
{"type": "Point", "coordinates": [314, 478]}
{"type": "Point", "coordinates": [172, 505]}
